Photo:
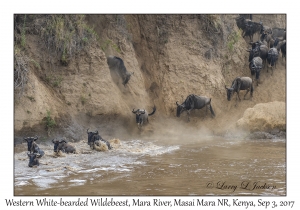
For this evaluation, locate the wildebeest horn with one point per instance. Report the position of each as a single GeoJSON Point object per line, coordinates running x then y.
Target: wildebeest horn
{"type": "Point", "coordinates": [177, 103]}
{"type": "Point", "coordinates": [53, 141]}
{"type": "Point", "coordinates": [226, 87]}
{"type": "Point", "coordinates": [62, 141]}
{"type": "Point", "coordinates": [134, 111]}
{"type": "Point", "coordinates": [142, 112]}
{"type": "Point", "coordinates": [35, 138]}
{"type": "Point", "coordinates": [96, 131]}
{"type": "Point", "coordinates": [87, 131]}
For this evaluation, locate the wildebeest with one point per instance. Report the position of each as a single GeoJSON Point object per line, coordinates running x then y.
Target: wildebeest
{"type": "Point", "coordinates": [250, 29]}
{"type": "Point", "coordinates": [242, 21]}
{"type": "Point", "coordinates": [94, 136]}
{"type": "Point", "coordinates": [240, 83]}
{"type": "Point", "coordinates": [97, 139]}
{"type": "Point", "coordinates": [265, 29]}
{"type": "Point", "coordinates": [245, 25]}
{"type": "Point", "coordinates": [90, 135]}
{"type": "Point", "coordinates": [278, 32]}
{"type": "Point", "coordinates": [32, 146]}
{"type": "Point", "coordinates": [141, 116]}
{"type": "Point", "coordinates": [255, 65]}
{"type": "Point", "coordinates": [33, 159]}
{"type": "Point", "coordinates": [116, 66]}
{"type": "Point", "coordinates": [260, 50]}
{"type": "Point", "coordinates": [265, 37]}
{"type": "Point", "coordinates": [63, 146]}
{"type": "Point", "coordinates": [283, 49]}
{"type": "Point", "coordinates": [273, 56]}
{"type": "Point", "coordinates": [194, 102]}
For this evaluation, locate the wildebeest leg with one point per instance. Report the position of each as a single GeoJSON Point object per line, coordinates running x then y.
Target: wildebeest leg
{"type": "Point", "coordinates": [272, 70]}
{"type": "Point", "coordinates": [211, 111]}
{"type": "Point", "coordinates": [236, 99]}
{"type": "Point", "coordinates": [188, 113]}
{"type": "Point", "coordinates": [246, 94]}
{"type": "Point", "coordinates": [238, 95]}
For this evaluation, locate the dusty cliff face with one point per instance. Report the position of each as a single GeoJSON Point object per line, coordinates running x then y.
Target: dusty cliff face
{"type": "Point", "coordinates": [171, 56]}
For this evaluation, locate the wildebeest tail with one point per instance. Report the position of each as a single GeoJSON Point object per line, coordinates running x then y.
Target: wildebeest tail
{"type": "Point", "coordinates": [154, 109]}
{"type": "Point", "coordinates": [211, 109]}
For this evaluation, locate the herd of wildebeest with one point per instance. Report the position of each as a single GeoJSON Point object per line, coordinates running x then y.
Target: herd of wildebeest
{"type": "Point", "coordinates": [262, 54]}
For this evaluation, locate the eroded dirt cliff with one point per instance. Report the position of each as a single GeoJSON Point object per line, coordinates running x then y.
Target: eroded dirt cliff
{"type": "Point", "coordinates": [171, 56]}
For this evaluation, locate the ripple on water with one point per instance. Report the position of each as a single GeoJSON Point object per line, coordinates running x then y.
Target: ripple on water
{"type": "Point", "coordinates": [22, 183]}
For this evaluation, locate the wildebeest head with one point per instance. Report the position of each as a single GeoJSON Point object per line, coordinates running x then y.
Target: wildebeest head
{"type": "Point", "coordinates": [180, 109]}
{"type": "Point", "coordinates": [127, 77]}
{"type": "Point", "coordinates": [33, 159]}
{"type": "Point", "coordinates": [253, 53]}
{"type": "Point", "coordinates": [58, 145]}
{"type": "Point", "coordinates": [272, 56]}
{"type": "Point", "coordinates": [230, 92]}
{"type": "Point", "coordinates": [30, 145]}
{"type": "Point", "coordinates": [263, 36]}
{"type": "Point", "coordinates": [90, 135]}
{"type": "Point", "coordinates": [276, 42]}
{"type": "Point", "coordinates": [139, 116]}
{"type": "Point", "coordinates": [96, 140]}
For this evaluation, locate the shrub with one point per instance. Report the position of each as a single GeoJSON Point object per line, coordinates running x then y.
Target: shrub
{"type": "Point", "coordinates": [232, 39]}
{"type": "Point", "coordinates": [50, 122]}
{"type": "Point", "coordinates": [66, 35]}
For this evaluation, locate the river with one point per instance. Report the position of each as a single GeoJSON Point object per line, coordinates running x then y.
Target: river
{"type": "Point", "coordinates": [208, 166]}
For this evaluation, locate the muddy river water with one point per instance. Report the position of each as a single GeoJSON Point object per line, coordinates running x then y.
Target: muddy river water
{"type": "Point", "coordinates": [208, 166]}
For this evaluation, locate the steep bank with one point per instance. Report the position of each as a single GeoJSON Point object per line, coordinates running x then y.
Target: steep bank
{"type": "Point", "coordinates": [171, 56]}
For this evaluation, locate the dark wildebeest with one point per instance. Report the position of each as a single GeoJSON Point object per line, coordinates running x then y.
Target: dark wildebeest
{"type": "Point", "coordinates": [32, 146]}
{"type": "Point", "coordinates": [283, 50]}
{"type": "Point", "coordinates": [265, 29]}
{"type": "Point", "coordinates": [117, 67]}
{"type": "Point", "coordinates": [141, 116]}
{"type": "Point", "coordinates": [258, 50]}
{"type": "Point", "coordinates": [250, 29]}
{"type": "Point", "coordinates": [273, 56]}
{"type": "Point", "coordinates": [255, 65]}
{"type": "Point", "coordinates": [90, 135]}
{"type": "Point", "coordinates": [94, 136]}
{"type": "Point", "coordinates": [240, 83]}
{"type": "Point", "coordinates": [194, 102]}
{"type": "Point", "coordinates": [63, 146]}
{"type": "Point", "coordinates": [242, 22]}
{"type": "Point", "coordinates": [278, 32]}
{"type": "Point", "coordinates": [33, 159]}
{"type": "Point", "coordinates": [265, 37]}
{"type": "Point", "coordinates": [96, 139]}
